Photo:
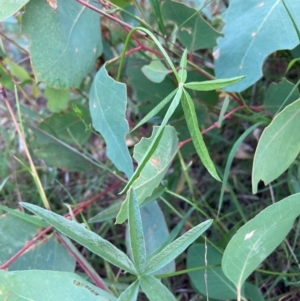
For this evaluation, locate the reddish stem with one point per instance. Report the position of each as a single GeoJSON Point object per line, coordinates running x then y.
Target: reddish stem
{"type": "Point", "coordinates": [81, 206]}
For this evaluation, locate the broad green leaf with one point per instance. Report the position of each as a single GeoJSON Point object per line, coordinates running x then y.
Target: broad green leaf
{"type": "Point", "coordinates": [252, 292]}
{"type": "Point", "coordinates": [280, 95]}
{"type": "Point", "coordinates": [68, 127]}
{"type": "Point", "coordinates": [49, 286]}
{"type": "Point", "coordinates": [131, 293]}
{"type": "Point", "coordinates": [194, 32]}
{"type": "Point", "coordinates": [25, 217]}
{"type": "Point", "coordinates": [64, 42]}
{"type": "Point", "coordinates": [147, 93]}
{"type": "Point", "coordinates": [156, 167]}
{"type": "Point", "coordinates": [218, 285]}
{"type": "Point", "coordinates": [135, 229]}
{"type": "Point", "coordinates": [213, 84]}
{"type": "Point", "coordinates": [231, 155]}
{"type": "Point", "coordinates": [156, 233]}
{"type": "Point", "coordinates": [192, 123]}
{"type": "Point", "coordinates": [156, 71]}
{"type": "Point", "coordinates": [58, 153]}
{"type": "Point", "coordinates": [258, 238]}
{"type": "Point", "coordinates": [49, 254]}
{"type": "Point", "coordinates": [108, 100]}
{"type": "Point", "coordinates": [155, 110]}
{"type": "Point", "coordinates": [175, 248]}
{"type": "Point", "coordinates": [8, 8]}
{"type": "Point", "coordinates": [56, 135]}
{"type": "Point", "coordinates": [87, 238]}
{"type": "Point", "coordinates": [14, 233]}
{"type": "Point", "coordinates": [57, 99]}
{"type": "Point", "coordinates": [148, 153]}
{"type": "Point", "coordinates": [155, 290]}
{"type": "Point", "coordinates": [249, 28]}
{"type": "Point", "coordinates": [278, 146]}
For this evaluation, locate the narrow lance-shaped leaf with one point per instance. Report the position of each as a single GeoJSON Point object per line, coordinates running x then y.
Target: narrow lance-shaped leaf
{"type": "Point", "coordinates": [278, 146]}
{"type": "Point", "coordinates": [155, 141]}
{"type": "Point", "coordinates": [131, 292]}
{"type": "Point", "coordinates": [214, 84]}
{"type": "Point", "coordinates": [108, 100]}
{"type": "Point", "coordinates": [258, 238]}
{"type": "Point", "coordinates": [155, 110]}
{"type": "Point", "coordinates": [183, 62]}
{"type": "Point", "coordinates": [136, 235]}
{"type": "Point", "coordinates": [175, 248]}
{"type": "Point", "coordinates": [192, 123]}
{"type": "Point", "coordinates": [223, 110]}
{"type": "Point", "coordinates": [85, 237]}
{"type": "Point", "coordinates": [155, 290]}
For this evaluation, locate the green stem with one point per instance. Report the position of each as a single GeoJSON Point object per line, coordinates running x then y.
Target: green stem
{"type": "Point", "coordinates": [149, 33]}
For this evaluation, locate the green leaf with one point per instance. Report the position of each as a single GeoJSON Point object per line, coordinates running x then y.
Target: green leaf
{"type": "Point", "coordinates": [131, 293]}
{"type": "Point", "coordinates": [248, 31]}
{"type": "Point", "coordinates": [156, 233]}
{"type": "Point", "coordinates": [135, 229]}
{"type": "Point", "coordinates": [231, 155]}
{"type": "Point", "coordinates": [213, 84]}
{"type": "Point", "coordinates": [156, 71]}
{"type": "Point", "coordinates": [23, 216]}
{"type": "Point", "coordinates": [175, 248]}
{"type": "Point", "coordinates": [155, 169]}
{"type": "Point", "coordinates": [64, 42]}
{"type": "Point", "coordinates": [87, 238]}
{"type": "Point", "coordinates": [155, 141]}
{"type": "Point", "coordinates": [223, 110]}
{"type": "Point", "coordinates": [192, 123]}
{"type": "Point", "coordinates": [108, 100]}
{"type": "Point", "coordinates": [218, 285]}
{"type": "Point", "coordinates": [68, 127]}
{"type": "Point", "coordinates": [155, 290]}
{"type": "Point", "coordinates": [16, 229]}
{"type": "Point", "coordinates": [57, 99]}
{"type": "Point", "coordinates": [49, 286]}
{"type": "Point", "coordinates": [258, 238]}
{"type": "Point", "coordinates": [194, 32]}
{"type": "Point", "coordinates": [183, 60]}
{"type": "Point", "coordinates": [155, 110]}
{"type": "Point", "coordinates": [58, 153]}
{"type": "Point", "coordinates": [156, 7]}
{"type": "Point", "coordinates": [113, 210]}
{"type": "Point", "coordinates": [48, 255]}
{"type": "Point", "coordinates": [8, 8]}
{"type": "Point", "coordinates": [278, 96]}
{"type": "Point", "coordinates": [278, 146]}
{"type": "Point", "coordinates": [147, 94]}
{"type": "Point", "coordinates": [16, 70]}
